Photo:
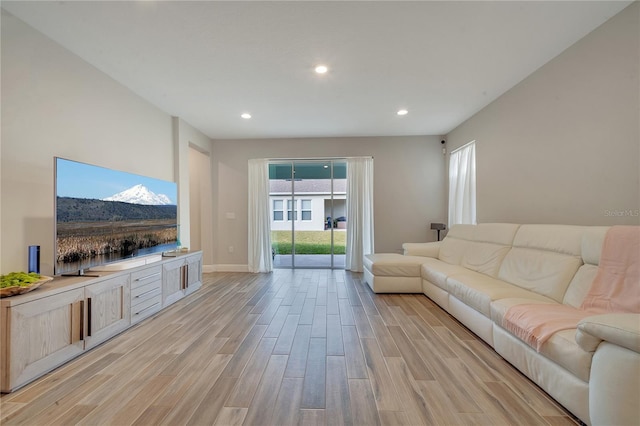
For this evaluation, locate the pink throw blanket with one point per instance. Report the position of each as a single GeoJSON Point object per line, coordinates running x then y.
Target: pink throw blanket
{"type": "Point", "coordinates": [535, 323]}
{"type": "Point", "coordinates": [616, 288]}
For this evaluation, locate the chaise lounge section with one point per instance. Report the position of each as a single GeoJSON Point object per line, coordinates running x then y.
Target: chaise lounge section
{"type": "Point", "coordinates": [479, 272]}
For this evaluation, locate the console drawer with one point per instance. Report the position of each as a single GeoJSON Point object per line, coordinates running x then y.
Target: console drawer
{"type": "Point", "coordinates": [145, 276]}
{"type": "Point", "coordinates": [144, 292]}
{"type": "Point", "coordinates": [146, 308]}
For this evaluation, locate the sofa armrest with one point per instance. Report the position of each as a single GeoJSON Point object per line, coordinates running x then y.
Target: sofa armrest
{"type": "Point", "coordinates": [619, 329]}
{"type": "Point", "coordinates": [422, 249]}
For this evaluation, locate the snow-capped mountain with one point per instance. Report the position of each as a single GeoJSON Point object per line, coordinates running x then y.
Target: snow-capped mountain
{"type": "Point", "coordinates": [139, 194]}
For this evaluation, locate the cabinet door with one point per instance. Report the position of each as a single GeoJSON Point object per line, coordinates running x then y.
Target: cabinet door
{"type": "Point", "coordinates": [108, 309]}
{"type": "Point", "coordinates": [43, 334]}
{"type": "Point", "coordinates": [193, 273]}
{"type": "Point", "coordinates": [172, 281]}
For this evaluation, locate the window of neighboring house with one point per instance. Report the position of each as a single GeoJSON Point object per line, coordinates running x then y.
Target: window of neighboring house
{"type": "Point", "coordinates": [306, 209]}
{"type": "Point", "coordinates": [278, 213]}
{"type": "Point", "coordinates": [292, 213]}
{"type": "Point", "coordinates": [462, 185]}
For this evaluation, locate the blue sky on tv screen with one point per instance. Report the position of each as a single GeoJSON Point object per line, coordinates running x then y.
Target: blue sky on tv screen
{"type": "Point", "coordinates": [80, 180]}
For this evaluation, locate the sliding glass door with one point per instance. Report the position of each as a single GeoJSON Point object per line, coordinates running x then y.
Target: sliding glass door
{"type": "Point", "coordinates": [308, 213]}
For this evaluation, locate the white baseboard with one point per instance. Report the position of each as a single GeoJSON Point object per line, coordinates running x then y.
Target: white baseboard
{"type": "Point", "coordinates": [225, 268]}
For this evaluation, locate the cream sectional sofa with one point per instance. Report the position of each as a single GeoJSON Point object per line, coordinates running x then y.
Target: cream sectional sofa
{"type": "Point", "coordinates": [478, 271]}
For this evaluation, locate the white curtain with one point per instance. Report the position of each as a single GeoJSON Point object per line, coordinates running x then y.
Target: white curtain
{"type": "Point", "coordinates": [462, 185]}
{"type": "Point", "coordinates": [359, 211]}
{"type": "Point", "coordinates": [260, 259]}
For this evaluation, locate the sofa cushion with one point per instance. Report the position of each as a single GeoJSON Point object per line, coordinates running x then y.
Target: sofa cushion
{"type": "Point", "coordinates": [484, 257]}
{"type": "Point", "coordinates": [479, 290]}
{"type": "Point", "coordinates": [565, 239]}
{"type": "Point", "coordinates": [562, 347]}
{"type": "Point", "coordinates": [496, 233]}
{"type": "Point", "coordinates": [499, 307]}
{"type": "Point", "coordinates": [393, 264]}
{"type": "Point", "coordinates": [436, 272]}
{"type": "Point", "coordinates": [478, 247]}
{"type": "Point", "coordinates": [544, 258]}
{"type": "Point", "coordinates": [543, 272]}
{"type": "Point", "coordinates": [592, 240]}
{"type": "Point", "coordinates": [462, 232]}
{"type": "Point", "coordinates": [452, 249]}
{"type": "Point", "coordinates": [580, 285]}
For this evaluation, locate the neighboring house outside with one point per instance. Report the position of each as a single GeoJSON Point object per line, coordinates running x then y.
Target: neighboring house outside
{"type": "Point", "coordinates": [311, 206]}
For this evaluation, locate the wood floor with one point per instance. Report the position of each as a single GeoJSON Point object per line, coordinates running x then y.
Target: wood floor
{"type": "Point", "coordinates": [291, 347]}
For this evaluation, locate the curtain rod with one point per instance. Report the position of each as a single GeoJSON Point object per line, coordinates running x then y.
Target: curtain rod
{"type": "Point", "coordinates": [463, 146]}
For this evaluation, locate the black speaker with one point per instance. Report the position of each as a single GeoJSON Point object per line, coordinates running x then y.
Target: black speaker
{"type": "Point", "coordinates": [438, 227]}
{"type": "Point", "coordinates": [34, 259]}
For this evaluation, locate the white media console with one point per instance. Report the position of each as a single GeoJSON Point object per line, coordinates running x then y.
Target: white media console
{"type": "Point", "coordinates": [62, 319]}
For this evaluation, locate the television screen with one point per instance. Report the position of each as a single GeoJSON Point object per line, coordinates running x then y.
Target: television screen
{"type": "Point", "coordinates": [105, 215]}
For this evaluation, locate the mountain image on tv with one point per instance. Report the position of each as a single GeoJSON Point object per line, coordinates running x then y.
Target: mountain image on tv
{"type": "Point", "coordinates": [97, 225]}
{"type": "Point", "coordinates": [139, 194]}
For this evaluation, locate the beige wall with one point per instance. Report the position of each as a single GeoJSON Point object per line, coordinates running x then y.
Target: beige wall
{"type": "Point", "coordinates": [186, 138]}
{"type": "Point", "coordinates": [200, 195]}
{"type": "Point", "coordinates": [408, 186]}
{"type": "Point", "coordinates": [563, 146]}
{"type": "Point", "coordinates": [55, 104]}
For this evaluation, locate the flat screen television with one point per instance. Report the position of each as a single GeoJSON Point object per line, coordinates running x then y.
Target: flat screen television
{"type": "Point", "coordinates": [104, 216]}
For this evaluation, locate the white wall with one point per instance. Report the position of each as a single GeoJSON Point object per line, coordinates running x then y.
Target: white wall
{"type": "Point", "coordinates": [408, 185]}
{"type": "Point", "coordinates": [55, 104]}
{"type": "Point", "coordinates": [563, 146]}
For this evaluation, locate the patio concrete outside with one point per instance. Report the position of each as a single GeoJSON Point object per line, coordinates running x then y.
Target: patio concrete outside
{"type": "Point", "coordinates": [317, 261]}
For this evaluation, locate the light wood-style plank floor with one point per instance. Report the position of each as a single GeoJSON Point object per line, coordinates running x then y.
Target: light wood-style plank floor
{"type": "Point", "coordinates": [290, 347]}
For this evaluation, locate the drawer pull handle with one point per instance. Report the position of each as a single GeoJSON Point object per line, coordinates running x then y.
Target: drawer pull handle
{"type": "Point", "coordinates": [82, 320]}
{"type": "Point", "coordinates": [157, 274]}
{"type": "Point", "coordinates": [77, 322]}
{"type": "Point", "coordinates": [88, 317]}
{"type": "Point", "coordinates": [153, 290]}
{"type": "Point", "coordinates": [148, 308]}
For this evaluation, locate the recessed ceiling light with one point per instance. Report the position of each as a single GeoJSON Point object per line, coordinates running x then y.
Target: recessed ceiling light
{"type": "Point", "coordinates": [321, 69]}
{"type": "Point", "coordinates": [402, 112]}
{"type": "Point", "coordinates": [246, 116]}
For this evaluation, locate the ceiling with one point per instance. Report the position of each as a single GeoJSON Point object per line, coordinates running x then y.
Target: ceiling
{"type": "Point", "coordinates": [208, 61]}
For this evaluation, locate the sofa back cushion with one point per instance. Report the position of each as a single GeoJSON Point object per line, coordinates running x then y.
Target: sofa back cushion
{"type": "Point", "coordinates": [592, 241]}
{"type": "Point", "coordinates": [491, 243]}
{"type": "Point", "coordinates": [480, 248]}
{"type": "Point", "coordinates": [455, 243]}
{"type": "Point", "coordinates": [544, 259]}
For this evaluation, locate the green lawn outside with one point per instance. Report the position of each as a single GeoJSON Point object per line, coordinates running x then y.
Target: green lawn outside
{"type": "Point", "coordinates": [309, 242]}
